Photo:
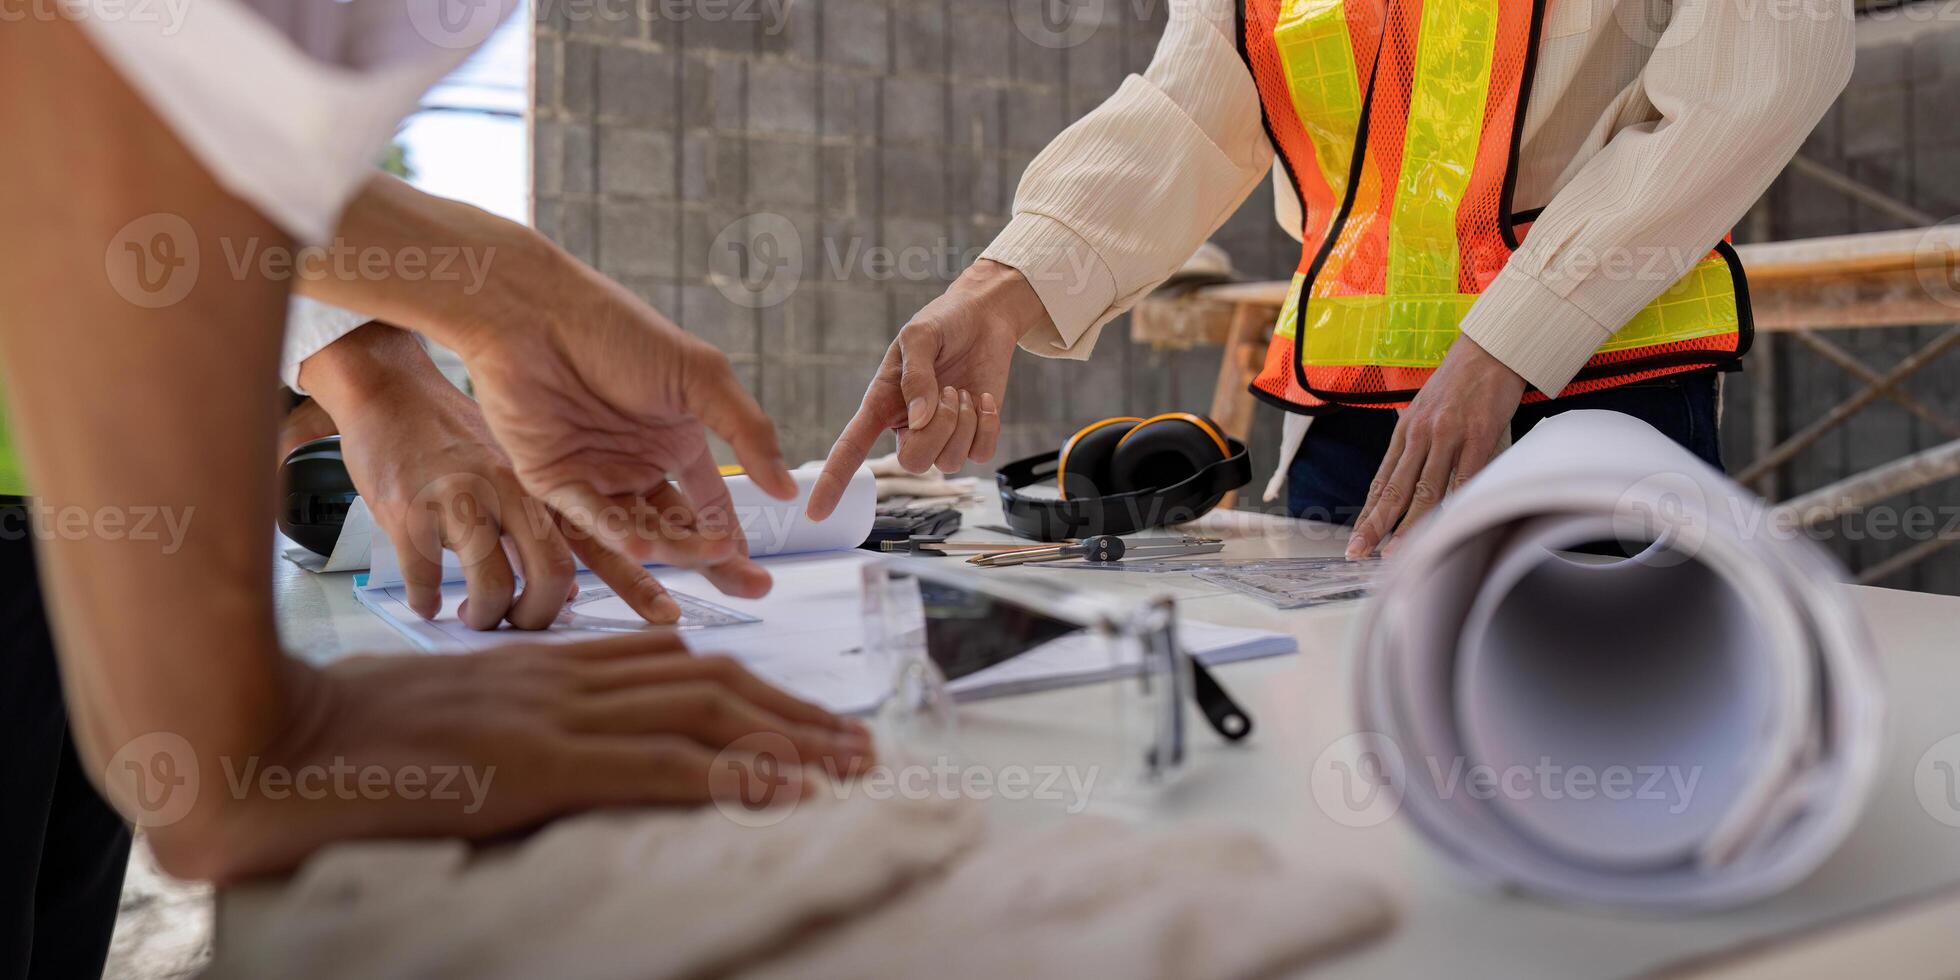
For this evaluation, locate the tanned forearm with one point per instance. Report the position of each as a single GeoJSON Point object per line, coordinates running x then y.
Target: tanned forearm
{"type": "Point", "coordinates": [483, 272]}
{"type": "Point", "coordinates": [122, 410]}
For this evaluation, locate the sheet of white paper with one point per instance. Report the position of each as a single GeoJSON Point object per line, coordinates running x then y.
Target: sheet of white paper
{"type": "Point", "coordinates": [350, 550]}
{"type": "Point", "coordinates": [809, 634]}
{"type": "Point", "coordinates": [1696, 726]}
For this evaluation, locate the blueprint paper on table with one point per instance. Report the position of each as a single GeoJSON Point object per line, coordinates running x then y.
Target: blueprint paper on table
{"type": "Point", "coordinates": [807, 635]}
{"type": "Point", "coordinates": [1693, 727]}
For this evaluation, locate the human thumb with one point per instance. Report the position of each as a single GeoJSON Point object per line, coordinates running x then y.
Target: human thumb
{"type": "Point", "coordinates": [916, 379]}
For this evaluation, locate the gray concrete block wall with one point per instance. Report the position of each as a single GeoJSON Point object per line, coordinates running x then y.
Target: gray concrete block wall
{"type": "Point", "coordinates": [1897, 129]}
{"type": "Point", "coordinates": [888, 133]}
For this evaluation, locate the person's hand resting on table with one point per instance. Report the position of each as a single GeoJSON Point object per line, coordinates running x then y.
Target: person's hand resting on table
{"type": "Point", "coordinates": [1449, 431]}
{"type": "Point", "coordinates": [511, 737]}
{"type": "Point", "coordinates": [435, 479]}
{"type": "Point", "coordinates": [942, 382]}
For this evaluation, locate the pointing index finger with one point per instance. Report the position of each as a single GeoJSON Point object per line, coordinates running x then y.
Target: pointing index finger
{"type": "Point", "coordinates": [729, 411]}
{"type": "Point", "coordinates": [845, 457]}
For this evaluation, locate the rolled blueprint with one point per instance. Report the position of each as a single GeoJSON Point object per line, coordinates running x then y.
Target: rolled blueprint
{"type": "Point", "coordinates": [1692, 727]}
{"type": "Point", "coordinates": [779, 527]}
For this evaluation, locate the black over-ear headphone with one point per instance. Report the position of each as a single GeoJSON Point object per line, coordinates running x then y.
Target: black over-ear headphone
{"type": "Point", "coordinates": [1125, 474]}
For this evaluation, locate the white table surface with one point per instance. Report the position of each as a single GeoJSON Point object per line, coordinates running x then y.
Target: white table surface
{"type": "Point", "coordinates": [1449, 924]}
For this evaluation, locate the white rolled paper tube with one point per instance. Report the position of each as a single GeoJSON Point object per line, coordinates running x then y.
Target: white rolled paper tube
{"type": "Point", "coordinates": [780, 527]}
{"type": "Point", "coordinates": [1693, 727]}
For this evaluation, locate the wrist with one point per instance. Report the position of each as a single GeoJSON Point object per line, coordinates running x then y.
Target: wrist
{"type": "Point", "coordinates": [1005, 299]}
{"type": "Point", "coordinates": [367, 369]}
{"type": "Point", "coordinates": [532, 285]}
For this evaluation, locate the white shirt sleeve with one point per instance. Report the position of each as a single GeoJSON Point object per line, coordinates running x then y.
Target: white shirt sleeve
{"type": "Point", "coordinates": [287, 103]}
{"type": "Point", "coordinates": [310, 327]}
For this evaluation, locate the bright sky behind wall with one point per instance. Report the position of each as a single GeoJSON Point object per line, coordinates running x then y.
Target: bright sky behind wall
{"type": "Point", "coordinates": [468, 141]}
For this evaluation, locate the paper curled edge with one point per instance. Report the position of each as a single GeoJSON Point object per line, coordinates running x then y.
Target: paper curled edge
{"type": "Point", "coordinates": [1728, 650]}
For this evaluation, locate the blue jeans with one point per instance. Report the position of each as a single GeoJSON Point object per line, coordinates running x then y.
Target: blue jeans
{"type": "Point", "coordinates": [1342, 450]}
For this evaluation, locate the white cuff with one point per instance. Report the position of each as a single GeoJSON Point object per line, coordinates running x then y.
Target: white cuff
{"type": "Point", "coordinates": [310, 327]}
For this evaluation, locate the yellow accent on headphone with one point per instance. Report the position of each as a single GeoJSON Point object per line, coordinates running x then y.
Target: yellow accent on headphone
{"type": "Point", "coordinates": [1061, 462]}
{"type": "Point", "coordinates": [1197, 420]}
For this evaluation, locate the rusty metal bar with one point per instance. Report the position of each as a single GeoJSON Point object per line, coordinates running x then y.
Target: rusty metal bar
{"type": "Point", "coordinates": [1907, 558]}
{"type": "Point", "coordinates": [1849, 407]}
{"type": "Point", "coordinates": [1903, 475]}
{"type": "Point", "coordinates": [1844, 359]}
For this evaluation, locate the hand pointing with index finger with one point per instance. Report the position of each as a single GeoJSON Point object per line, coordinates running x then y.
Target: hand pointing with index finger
{"type": "Point", "coordinates": [941, 383]}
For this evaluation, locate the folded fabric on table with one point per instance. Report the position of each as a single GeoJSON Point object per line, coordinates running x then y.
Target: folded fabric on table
{"type": "Point", "coordinates": [851, 888]}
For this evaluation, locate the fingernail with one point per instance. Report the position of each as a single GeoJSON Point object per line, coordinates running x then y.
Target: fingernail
{"type": "Point", "coordinates": [666, 610]}
{"type": "Point", "coordinates": [987, 405]}
{"type": "Point", "coordinates": [966, 401]}
{"type": "Point", "coordinates": [917, 413]}
{"type": "Point", "coordinates": [949, 399]}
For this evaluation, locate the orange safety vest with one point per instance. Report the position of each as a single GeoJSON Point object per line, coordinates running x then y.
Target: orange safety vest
{"type": "Point", "coordinates": [1399, 126]}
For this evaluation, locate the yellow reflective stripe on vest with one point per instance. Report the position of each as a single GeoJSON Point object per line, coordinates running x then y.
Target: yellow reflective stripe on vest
{"type": "Point", "coordinates": [1454, 50]}
{"type": "Point", "coordinates": [1416, 331]}
{"type": "Point", "coordinates": [1318, 56]}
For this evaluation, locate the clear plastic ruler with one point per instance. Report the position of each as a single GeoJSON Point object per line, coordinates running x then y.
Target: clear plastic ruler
{"type": "Point", "coordinates": [601, 610]}
{"type": "Point", "coordinates": [1294, 588]}
{"type": "Point", "coordinates": [1284, 583]}
{"type": "Point", "coordinates": [1163, 566]}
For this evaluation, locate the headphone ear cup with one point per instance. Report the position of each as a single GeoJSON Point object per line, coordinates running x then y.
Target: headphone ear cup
{"type": "Point", "coordinates": [1162, 452]}
{"type": "Point", "coordinates": [1083, 469]}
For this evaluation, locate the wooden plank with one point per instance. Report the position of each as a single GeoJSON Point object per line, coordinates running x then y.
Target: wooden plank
{"type": "Point", "coordinates": [1878, 279]}
{"type": "Point", "coordinates": [1232, 406]}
